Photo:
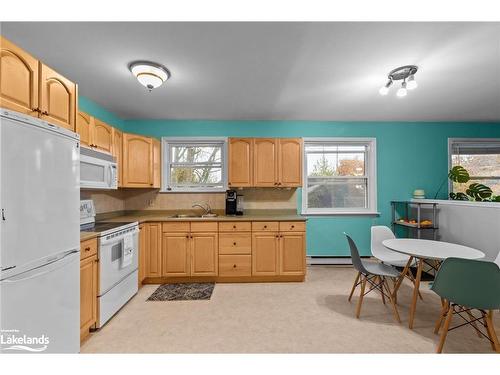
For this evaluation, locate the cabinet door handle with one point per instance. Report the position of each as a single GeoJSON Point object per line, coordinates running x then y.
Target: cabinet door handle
{"type": "Point", "coordinates": [35, 110]}
{"type": "Point", "coordinates": [45, 113]}
{"type": "Point", "coordinates": [187, 236]}
{"type": "Point", "coordinates": [234, 243]}
{"type": "Point", "coordinates": [265, 226]}
{"type": "Point", "coordinates": [87, 249]}
{"type": "Point", "coordinates": [293, 226]}
{"type": "Point", "coordinates": [234, 265]}
{"type": "Point", "coordinates": [234, 226]}
{"type": "Point", "coordinates": [277, 236]}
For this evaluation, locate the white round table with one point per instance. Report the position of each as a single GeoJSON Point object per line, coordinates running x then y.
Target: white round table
{"type": "Point", "coordinates": [429, 249]}
{"type": "Point", "coordinates": [423, 250]}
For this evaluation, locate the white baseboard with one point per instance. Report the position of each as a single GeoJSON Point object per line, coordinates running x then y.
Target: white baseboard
{"type": "Point", "coordinates": [315, 260]}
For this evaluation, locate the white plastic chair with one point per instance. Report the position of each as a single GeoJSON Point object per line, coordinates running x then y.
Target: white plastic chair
{"type": "Point", "coordinates": [381, 233]}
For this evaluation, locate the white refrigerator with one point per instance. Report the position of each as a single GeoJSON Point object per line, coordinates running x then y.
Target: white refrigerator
{"type": "Point", "coordinates": [39, 236]}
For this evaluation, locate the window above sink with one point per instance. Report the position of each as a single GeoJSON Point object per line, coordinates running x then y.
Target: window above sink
{"type": "Point", "coordinates": [194, 164]}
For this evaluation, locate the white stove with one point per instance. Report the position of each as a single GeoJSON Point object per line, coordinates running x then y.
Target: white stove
{"type": "Point", "coordinates": [118, 260]}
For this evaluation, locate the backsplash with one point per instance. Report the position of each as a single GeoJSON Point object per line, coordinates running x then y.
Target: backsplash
{"type": "Point", "coordinates": [142, 199]}
{"type": "Point", "coordinates": [105, 201]}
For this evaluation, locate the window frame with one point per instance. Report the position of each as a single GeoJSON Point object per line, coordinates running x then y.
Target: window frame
{"type": "Point", "coordinates": [167, 142]}
{"type": "Point", "coordinates": [452, 141]}
{"type": "Point", "coordinates": [370, 173]}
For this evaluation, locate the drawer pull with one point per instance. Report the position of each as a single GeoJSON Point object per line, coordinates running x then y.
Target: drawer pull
{"type": "Point", "coordinates": [293, 226]}
{"type": "Point", "coordinates": [87, 249]}
{"type": "Point", "coordinates": [234, 265]}
{"type": "Point", "coordinates": [265, 226]}
{"type": "Point", "coordinates": [234, 226]}
{"type": "Point", "coordinates": [234, 243]}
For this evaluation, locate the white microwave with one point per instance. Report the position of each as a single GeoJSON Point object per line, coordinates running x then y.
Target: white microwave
{"type": "Point", "coordinates": [97, 170]}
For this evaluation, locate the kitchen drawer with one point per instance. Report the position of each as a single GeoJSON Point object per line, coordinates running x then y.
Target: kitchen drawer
{"type": "Point", "coordinates": [88, 248]}
{"type": "Point", "coordinates": [265, 226]}
{"type": "Point", "coordinates": [235, 265]}
{"type": "Point", "coordinates": [235, 243]}
{"type": "Point", "coordinates": [179, 226]}
{"type": "Point", "coordinates": [200, 226]}
{"type": "Point", "coordinates": [235, 226]}
{"type": "Point", "coordinates": [292, 226]}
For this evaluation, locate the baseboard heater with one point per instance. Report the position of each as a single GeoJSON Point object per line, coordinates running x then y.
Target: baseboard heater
{"type": "Point", "coordinates": [329, 260]}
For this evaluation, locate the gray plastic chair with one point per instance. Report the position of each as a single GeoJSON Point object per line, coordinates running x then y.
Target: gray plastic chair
{"type": "Point", "coordinates": [375, 274]}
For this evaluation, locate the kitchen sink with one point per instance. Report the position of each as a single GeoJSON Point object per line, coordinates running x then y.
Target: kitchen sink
{"type": "Point", "coordinates": [184, 216]}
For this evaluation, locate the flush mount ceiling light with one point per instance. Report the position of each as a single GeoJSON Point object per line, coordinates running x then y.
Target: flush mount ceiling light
{"type": "Point", "coordinates": [403, 73]}
{"type": "Point", "coordinates": [149, 74]}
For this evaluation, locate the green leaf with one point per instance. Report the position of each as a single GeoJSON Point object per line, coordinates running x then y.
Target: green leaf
{"type": "Point", "coordinates": [459, 197]}
{"type": "Point", "coordinates": [479, 191]}
{"type": "Point", "coordinates": [458, 174]}
{"type": "Point", "coordinates": [495, 198]}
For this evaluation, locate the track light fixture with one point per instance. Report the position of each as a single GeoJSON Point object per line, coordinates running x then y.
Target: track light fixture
{"type": "Point", "coordinates": [403, 73]}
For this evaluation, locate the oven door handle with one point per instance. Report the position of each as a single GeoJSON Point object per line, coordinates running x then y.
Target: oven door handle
{"type": "Point", "coordinates": [117, 239]}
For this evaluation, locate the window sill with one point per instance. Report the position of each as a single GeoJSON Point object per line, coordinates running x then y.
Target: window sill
{"type": "Point", "coordinates": [340, 213]}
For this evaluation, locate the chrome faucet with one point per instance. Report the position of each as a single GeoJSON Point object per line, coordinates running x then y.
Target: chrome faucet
{"type": "Point", "coordinates": [207, 209]}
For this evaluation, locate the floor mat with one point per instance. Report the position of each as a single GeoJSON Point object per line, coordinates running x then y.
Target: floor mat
{"type": "Point", "coordinates": [183, 292]}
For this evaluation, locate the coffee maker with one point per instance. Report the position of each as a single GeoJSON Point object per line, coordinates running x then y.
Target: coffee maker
{"type": "Point", "coordinates": [231, 202]}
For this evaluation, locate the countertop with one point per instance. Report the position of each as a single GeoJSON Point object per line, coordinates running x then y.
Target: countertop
{"type": "Point", "coordinates": [154, 216]}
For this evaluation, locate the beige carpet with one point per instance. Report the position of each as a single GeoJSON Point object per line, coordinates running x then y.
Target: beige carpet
{"type": "Point", "coordinates": [309, 317]}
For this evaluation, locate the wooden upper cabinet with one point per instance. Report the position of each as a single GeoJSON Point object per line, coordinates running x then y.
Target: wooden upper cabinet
{"type": "Point", "coordinates": [265, 248]}
{"type": "Point", "coordinates": [289, 162]}
{"type": "Point", "coordinates": [102, 136]}
{"type": "Point", "coordinates": [265, 162]}
{"type": "Point", "coordinates": [240, 162]}
{"type": "Point", "coordinates": [137, 161]}
{"type": "Point", "coordinates": [118, 153]}
{"type": "Point", "coordinates": [18, 79]}
{"type": "Point", "coordinates": [292, 254]}
{"type": "Point", "coordinates": [58, 98]}
{"type": "Point", "coordinates": [204, 254]}
{"type": "Point", "coordinates": [84, 124]}
{"type": "Point", "coordinates": [156, 165]}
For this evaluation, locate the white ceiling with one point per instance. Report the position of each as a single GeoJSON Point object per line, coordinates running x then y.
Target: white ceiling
{"type": "Point", "coordinates": [277, 71]}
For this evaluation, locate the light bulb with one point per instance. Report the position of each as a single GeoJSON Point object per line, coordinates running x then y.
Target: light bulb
{"type": "Point", "coordinates": [412, 84]}
{"type": "Point", "coordinates": [384, 90]}
{"type": "Point", "coordinates": [402, 91]}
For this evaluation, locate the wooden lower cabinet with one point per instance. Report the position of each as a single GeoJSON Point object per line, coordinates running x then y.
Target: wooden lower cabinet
{"type": "Point", "coordinates": [89, 268]}
{"type": "Point", "coordinates": [265, 247]}
{"type": "Point", "coordinates": [142, 254]}
{"type": "Point", "coordinates": [176, 251]}
{"type": "Point", "coordinates": [292, 254]}
{"type": "Point", "coordinates": [176, 254]}
{"type": "Point", "coordinates": [153, 250]}
{"type": "Point", "coordinates": [204, 254]}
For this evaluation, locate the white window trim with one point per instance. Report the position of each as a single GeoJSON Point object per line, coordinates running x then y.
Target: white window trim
{"type": "Point", "coordinates": [167, 141]}
{"type": "Point", "coordinates": [371, 163]}
{"type": "Point", "coordinates": [451, 141]}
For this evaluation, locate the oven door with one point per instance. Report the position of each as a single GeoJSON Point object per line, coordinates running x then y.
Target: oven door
{"type": "Point", "coordinates": [111, 268]}
{"type": "Point", "coordinates": [96, 173]}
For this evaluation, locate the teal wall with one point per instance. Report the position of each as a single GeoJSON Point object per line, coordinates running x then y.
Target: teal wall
{"type": "Point", "coordinates": [96, 110]}
{"type": "Point", "coordinates": [410, 155]}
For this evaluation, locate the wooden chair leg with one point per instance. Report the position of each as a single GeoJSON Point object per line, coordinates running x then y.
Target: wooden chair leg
{"type": "Point", "coordinates": [400, 279]}
{"type": "Point", "coordinates": [490, 327]}
{"type": "Point", "coordinates": [380, 281]}
{"type": "Point", "coordinates": [391, 300]}
{"type": "Point", "coordinates": [354, 286]}
{"type": "Point", "coordinates": [447, 322]}
{"type": "Point", "coordinates": [444, 311]}
{"type": "Point", "coordinates": [361, 295]}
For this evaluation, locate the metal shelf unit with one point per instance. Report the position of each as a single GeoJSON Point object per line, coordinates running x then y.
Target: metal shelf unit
{"type": "Point", "coordinates": [407, 205]}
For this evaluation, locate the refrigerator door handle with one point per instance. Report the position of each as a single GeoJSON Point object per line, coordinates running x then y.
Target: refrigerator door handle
{"type": "Point", "coordinates": [30, 275]}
